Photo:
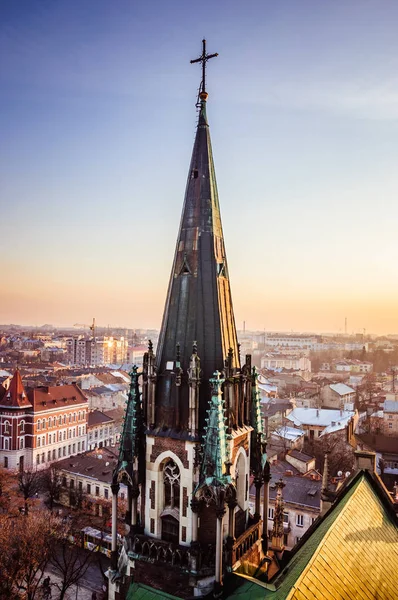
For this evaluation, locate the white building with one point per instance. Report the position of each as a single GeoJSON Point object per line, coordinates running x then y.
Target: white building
{"type": "Point", "coordinates": [273, 362]}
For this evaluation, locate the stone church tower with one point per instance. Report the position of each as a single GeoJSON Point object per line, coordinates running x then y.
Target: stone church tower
{"type": "Point", "coordinates": [192, 439]}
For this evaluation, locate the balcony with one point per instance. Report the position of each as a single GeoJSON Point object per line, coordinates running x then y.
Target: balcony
{"type": "Point", "coordinates": [245, 542]}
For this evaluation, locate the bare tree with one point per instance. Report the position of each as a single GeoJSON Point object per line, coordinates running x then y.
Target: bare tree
{"type": "Point", "coordinates": [30, 483]}
{"type": "Point", "coordinates": [25, 542]}
{"type": "Point", "coordinates": [69, 563]}
{"type": "Point", "coordinates": [51, 483]}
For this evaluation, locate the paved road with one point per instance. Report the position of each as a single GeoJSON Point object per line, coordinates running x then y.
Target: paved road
{"type": "Point", "coordinates": [91, 582]}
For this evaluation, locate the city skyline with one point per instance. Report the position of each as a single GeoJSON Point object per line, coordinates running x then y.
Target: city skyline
{"type": "Point", "coordinates": [302, 112]}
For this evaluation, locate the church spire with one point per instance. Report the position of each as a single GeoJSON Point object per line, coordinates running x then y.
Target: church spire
{"type": "Point", "coordinates": [198, 304]}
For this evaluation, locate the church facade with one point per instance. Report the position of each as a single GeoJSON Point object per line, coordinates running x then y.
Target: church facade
{"type": "Point", "coordinates": [192, 439]}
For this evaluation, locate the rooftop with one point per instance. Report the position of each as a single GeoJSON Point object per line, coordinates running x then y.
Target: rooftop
{"type": "Point", "coordinates": [96, 417]}
{"type": "Point", "coordinates": [391, 406]}
{"type": "Point", "coordinates": [350, 551]}
{"type": "Point", "coordinates": [97, 464]}
{"type": "Point", "coordinates": [341, 389]}
{"type": "Point", "coordinates": [301, 456]}
{"type": "Point", "coordinates": [322, 417]}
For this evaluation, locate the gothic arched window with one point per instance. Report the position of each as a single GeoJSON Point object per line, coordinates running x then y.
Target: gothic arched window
{"type": "Point", "coordinates": [171, 480]}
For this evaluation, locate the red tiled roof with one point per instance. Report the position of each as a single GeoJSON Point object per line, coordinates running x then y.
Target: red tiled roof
{"type": "Point", "coordinates": [42, 398]}
{"type": "Point", "coordinates": [15, 396]}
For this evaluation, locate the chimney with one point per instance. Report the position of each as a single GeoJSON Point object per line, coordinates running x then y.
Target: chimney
{"type": "Point", "coordinates": [365, 460]}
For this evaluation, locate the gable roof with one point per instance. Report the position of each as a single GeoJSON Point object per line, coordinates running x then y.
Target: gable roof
{"type": "Point", "coordinates": [352, 552]}
{"type": "Point", "coordinates": [15, 396]}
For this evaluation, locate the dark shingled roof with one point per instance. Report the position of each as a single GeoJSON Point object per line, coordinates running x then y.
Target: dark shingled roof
{"type": "Point", "coordinates": [97, 464]}
{"type": "Point", "coordinates": [300, 456]}
{"type": "Point", "coordinates": [96, 417]}
{"type": "Point", "coordinates": [299, 490]}
{"type": "Point", "coordinates": [198, 304]}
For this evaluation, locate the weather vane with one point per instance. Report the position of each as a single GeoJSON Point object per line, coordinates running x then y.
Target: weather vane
{"type": "Point", "coordinates": [203, 59]}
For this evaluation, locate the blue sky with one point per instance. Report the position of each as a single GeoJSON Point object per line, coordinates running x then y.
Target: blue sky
{"type": "Point", "coordinates": [97, 118]}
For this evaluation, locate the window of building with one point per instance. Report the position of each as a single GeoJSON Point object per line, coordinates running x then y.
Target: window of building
{"type": "Point", "coordinates": [49, 438]}
{"type": "Point", "coordinates": [64, 451]}
{"type": "Point", "coordinates": [64, 482]}
{"type": "Point", "coordinates": [6, 462]}
{"type": "Point", "coordinates": [49, 455]}
{"type": "Point", "coordinates": [286, 517]}
{"type": "Point", "coordinates": [6, 444]}
{"type": "Point", "coordinates": [59, 452]}
{"type": "Point", "coordinates": [22, 424]}
{"type": "Point", "coordinates": [106, 493]}
{"type": "Point", "coordinates": [38, 459]}
{"type": "Point", "coordinates": [300, 520]}
{"type": "Point", "coordinates": [38, 425]}
{"type": "Point", "coordinates": [83, 444]}
{"type": "Point", "coordinates": [74, 448]}
{"type": "Point", "coordinates": [64, 419]}
{"type": "Point", "coordinates": [69, 449]}
{"type": "Point", "coordinates": [43, 458]}
{"type": "Point", "coordinates": [7, 428]}
{"type": "Point", "coordinates": [78, 446]}
{"type": "Point", "coordinates": [44, 424]}
{"type": "Point", "coordinates": [72, 484]}
{"type": "Point", "coordinates": [286, 539]}
{"type": "Point", "coordinates": [64, 436]}
{"type": "Point", "coordinates": [390, 426]}
{"type": "Point", "coordinates": [270, 513]}
{"type": "Point", "coordinates": [97, 490]}
{"type": "Point", "coordinates": [171, 481]}
{"type": "Point", "coordinates": [38, 442]}
{"type": "Point", "coordinates": [43, 440]}
{"type": "Point", "coordinates": [54, 454]}
{"type": "Point", "coordinates": [88, 488]}
{"type": "Point", "coordinates": [21, 443]}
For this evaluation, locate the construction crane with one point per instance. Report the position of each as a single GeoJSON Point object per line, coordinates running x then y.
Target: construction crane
{"type": "Point", "coordinates": [90, 327]}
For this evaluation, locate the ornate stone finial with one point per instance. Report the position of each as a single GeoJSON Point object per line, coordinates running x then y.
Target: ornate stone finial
{"type": "Point", "coordinates": [194, 347]}
{"type": "Point", "coordinates": [150, 346]}
{"type": "Point", "coordinates": [216, 382]}
{"type": "Point", "coordinates": [325, 476]}
{"type": "Point", "coordinates": [278, 529]}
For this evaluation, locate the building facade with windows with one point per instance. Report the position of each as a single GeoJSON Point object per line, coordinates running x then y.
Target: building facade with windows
{"type": "Point", "coordinates": [86, 480]}
{"type": "Point", "coordinates": [302, 502]}
{"type": "Point", "coordinates": [101, 430]}
{"type": "Point", "coordinates": [15, 425]}
{"type": "Point", "coordinates": [41, 425]}
{"type": "Point", "coordinates": [59, 418]}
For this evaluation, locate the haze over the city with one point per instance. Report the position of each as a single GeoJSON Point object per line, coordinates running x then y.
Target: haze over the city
{"type": "Point", "coordinates": [97, 114]}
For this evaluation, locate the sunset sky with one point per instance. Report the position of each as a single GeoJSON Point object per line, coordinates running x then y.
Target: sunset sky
{"type": "Point", "coordinates": [97, 120]}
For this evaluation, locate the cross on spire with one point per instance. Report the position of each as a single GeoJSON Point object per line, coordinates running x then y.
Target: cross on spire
{"type": "Point", "coordinates": [203, 59]}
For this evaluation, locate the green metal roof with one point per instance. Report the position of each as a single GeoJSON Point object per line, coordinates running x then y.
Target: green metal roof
{"type": "Point", "coordinates": [139, 591]}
